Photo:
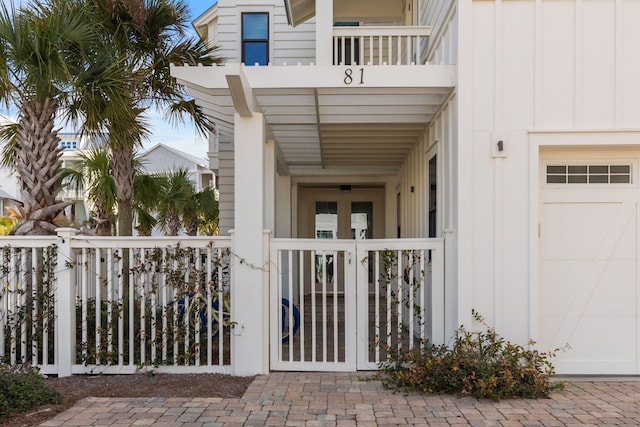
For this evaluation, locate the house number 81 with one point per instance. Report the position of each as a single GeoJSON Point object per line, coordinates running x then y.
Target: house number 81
{"type": "Point", "coordinates": [348, 76]}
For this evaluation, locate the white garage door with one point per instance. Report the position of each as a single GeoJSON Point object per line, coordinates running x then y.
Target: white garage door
{"type": "Point", "coordinates": [589, 246]}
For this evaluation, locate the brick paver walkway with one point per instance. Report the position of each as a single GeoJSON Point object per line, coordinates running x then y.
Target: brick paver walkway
{"type": "Point", "coordinates": [330, 399]}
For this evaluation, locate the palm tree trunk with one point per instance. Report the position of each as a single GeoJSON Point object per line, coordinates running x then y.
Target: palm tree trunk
{"type": "Point", "coordinates": [38, 165]}
{"type": "Point", "coordinates": [123, 170]}
{"type": "Point", "coordinates": [173, 223]}
{"type": "Point", "coordinates": [191, 226]}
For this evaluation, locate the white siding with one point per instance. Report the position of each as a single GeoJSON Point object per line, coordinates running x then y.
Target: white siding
{"type": "Point", "coordinates": [227, 188]}
{"type": "Point", "coordinates": [439, 15]}
{"type": "Point", "coordinates": [286, 44]}
{"type": "Point", "coordinates": [437, 140]}
{"type": "Point", "coordinates": [162, 160]}
{"type": "Point", "coordinates": [9, 183]}
{"type": "Point", "coordinates": [440, 139]}
{"type": "Point", "coordinates": [537, 65]}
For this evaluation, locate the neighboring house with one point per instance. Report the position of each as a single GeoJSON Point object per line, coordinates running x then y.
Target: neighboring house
{"type": "Point", "coordinates": [511, 129]}
{"type": "Point", "coordinates": [9, 192]}
{"type": "Point", "coordinates": [78, 212]}
{"type": "Point", "coordinates": [158, 159]}
{"type": "Point", "coordinates": [161, 158]}
{"type": "Point", "coordinates": [7, 200]}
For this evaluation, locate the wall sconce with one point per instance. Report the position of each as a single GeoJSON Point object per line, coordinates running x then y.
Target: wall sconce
{"type": "Point", "coordinates": [500, 146]}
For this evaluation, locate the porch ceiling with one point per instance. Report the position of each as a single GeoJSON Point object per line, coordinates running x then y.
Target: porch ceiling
{"type": "Point", "coordinates": [319, 126]}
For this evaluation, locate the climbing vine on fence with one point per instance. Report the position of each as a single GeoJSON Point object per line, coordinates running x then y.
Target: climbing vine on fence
{"type": "Point", "coordinates": [172, 309]}
{"type": "Point", "coordinates": [137, 307]}
{"type": "Point", "coordinates": [27, 287]}
{"type": "Point", "coordinates": [401, 280]}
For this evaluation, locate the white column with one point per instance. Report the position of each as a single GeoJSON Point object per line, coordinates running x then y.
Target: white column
{"type": "Point", "coordinates": [324, 32]}
{"type": "Point", "coordinates": [248, 262]}
{"type": "Point", "coordinates": [65, 299]}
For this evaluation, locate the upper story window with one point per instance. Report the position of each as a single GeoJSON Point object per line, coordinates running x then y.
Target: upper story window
{"type": "Point", "coordinates": [69, 145]}
{"type": "Point", "coordinates": [255, 38]}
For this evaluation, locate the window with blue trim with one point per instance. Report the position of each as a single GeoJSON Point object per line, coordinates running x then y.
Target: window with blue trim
{"type": "Point", "coordinates": [255, 38]}
{"type": "Point", "coordinates": [69, 145]}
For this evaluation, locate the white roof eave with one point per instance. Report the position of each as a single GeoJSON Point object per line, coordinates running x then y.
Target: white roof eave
{"type": "Point", "coordinates": [299, 11]}
{"type": "Point", "coordinates": [316, 76]}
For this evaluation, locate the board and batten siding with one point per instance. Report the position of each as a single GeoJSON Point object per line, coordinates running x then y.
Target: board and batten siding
{"type": "Point", "coordinates": [440, 139]}
{"type": "Point", "coordinates": [537, 65]}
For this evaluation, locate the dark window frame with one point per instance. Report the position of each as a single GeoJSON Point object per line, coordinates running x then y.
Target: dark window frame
{"type": "Point", "coordinates": [243, 41]}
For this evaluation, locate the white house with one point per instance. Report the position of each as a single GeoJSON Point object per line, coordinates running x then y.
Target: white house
{"type": "Point", "coordinates": [508, 129]}
{"type": "Point", "coordinates": [70, 144]}
{"type": "Point", "coordinates": [162, 158]}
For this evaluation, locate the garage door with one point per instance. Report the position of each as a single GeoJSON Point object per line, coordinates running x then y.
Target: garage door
{"type": "Point", "coordinates": [589, 245]}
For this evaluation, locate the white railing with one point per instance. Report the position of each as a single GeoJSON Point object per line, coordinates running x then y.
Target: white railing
{"type": "Point", "coordinates": [74, 304]}
{"type": "Point", "coordinates": [349, 303]}
{"type": "Point", "coordinates": [401, 282]}
{"type": "Point", "coordinates": [116, 305]}
{"type": "Point", "coordinates": [27, 315]}
{"type": "Point", "coordinates": [388, 45]}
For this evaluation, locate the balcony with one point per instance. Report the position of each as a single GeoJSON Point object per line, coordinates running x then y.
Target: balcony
{"type": "Point", "coordinates": [380, 45]}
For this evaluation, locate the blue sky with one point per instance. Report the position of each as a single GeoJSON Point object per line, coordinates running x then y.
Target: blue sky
{"type": "Point", "coordinates": [183, 137]}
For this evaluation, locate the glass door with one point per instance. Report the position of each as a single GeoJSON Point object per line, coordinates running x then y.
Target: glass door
{"type": "Point", "coordinates": [329, 213]}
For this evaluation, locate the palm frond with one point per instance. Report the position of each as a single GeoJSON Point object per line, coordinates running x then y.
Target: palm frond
{"type": "Point", "coordinates": [9, 133]}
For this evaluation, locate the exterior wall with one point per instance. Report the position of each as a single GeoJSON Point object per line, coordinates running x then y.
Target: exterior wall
{"type": "Point", "coordinates": [286, 44]}
{"type": "Point", "coordinates": [9, 183]}
{"type": "Point", "coordinates": [161, 160]}
{"type": "Point", "coordinates": [227, 188]}
{"type": "Point", "coordinates": [441, 139]}
{"type": "Point", "coordinates": [440, 16]}
{"type": "Point", "coordinates": [283, 192]}
{"type": "Point", "coordinates": [533, 65]}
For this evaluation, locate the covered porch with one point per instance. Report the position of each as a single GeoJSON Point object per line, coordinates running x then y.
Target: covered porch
{"type": "Point", "coordinates": [315, 127]}
{"type": "Point", "coordinates": [323, 153]}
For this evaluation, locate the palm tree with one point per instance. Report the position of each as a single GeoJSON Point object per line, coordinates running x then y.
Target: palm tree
{"type": "Point", "coordinates": [148, 36]}
{"type": "Point", "coordinates": [176, 199]}
{"type": "Point", "coordinates": [47, 51]}
{"type": "Point", "coordinates": [146, 188]}
{"type": "Point", "coordinates": [201, 213]}
{"type": "Point", "coordinates": [93, 173]}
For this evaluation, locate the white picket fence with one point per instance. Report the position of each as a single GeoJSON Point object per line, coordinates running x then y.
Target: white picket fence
{"type": "Point", "coordinates": [86, 304]}
{"type": "Point", "coordinates": [73, 304]}
{"type": "Point", "coordinates": [346, 305]}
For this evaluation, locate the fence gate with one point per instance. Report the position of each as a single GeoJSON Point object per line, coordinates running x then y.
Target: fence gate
{"type": "Point", "coordinates": [343, 305]}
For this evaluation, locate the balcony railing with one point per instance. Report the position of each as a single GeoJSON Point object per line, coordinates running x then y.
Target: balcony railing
{"type": "Point", "coordinates": [388, 45]}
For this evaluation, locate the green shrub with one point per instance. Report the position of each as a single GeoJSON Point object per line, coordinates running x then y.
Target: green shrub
{"type": "Point", "coordinates": [480, 364]}
{"type": "Point", "coordinates": [24, 390]}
